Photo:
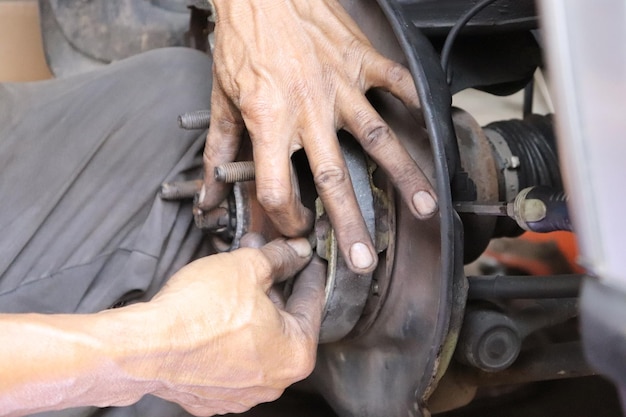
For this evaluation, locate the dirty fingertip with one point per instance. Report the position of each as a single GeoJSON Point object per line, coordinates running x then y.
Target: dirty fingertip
{"type": "Point", "coordinates": [361, 256]}
{"type": "Point", "coordinates": [425, 204]}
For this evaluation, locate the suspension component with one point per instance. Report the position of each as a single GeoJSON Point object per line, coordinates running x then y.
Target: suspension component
{"type": "Point", "coordinates": [537, 209]}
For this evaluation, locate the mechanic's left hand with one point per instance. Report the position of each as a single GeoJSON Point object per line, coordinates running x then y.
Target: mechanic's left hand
{"type": "Point", "coordinates": [293, 72]}
{"type": "Point", "coordinates": [227, 346]}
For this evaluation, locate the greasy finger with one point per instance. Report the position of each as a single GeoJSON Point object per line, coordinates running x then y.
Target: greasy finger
{"type": "Point", "coordinates": [222, 145]}
{"type": "Point", "coordinates": [285, 258]}
{"type": "Point", "coordinates": [381, 143]}
{"type": "Point", "coordinates": [334, 187]}
{"type": "Point", "coordinates": [277, 191]}
{"type": "Point", "coordinates": [307, 299]}
{"type": "Point", "coordinates": [381, 72]}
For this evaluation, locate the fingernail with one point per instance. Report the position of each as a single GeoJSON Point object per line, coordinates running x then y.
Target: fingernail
{"type": "Point", "coordinates": [424, 203]}
{"type": "Point", "coordinates": [202, 194]}
{"type": "Point", "coordinates": [301, 246]}
{"type": "Point", "coordinates": [361, 256]}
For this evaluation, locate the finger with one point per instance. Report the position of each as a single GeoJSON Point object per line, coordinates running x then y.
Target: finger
{"type": "Point", "coordinates": [277, 297]}
{"type": "Point", "coordinates": [381, 72]}
{"type": "Point", "coordinates": [307, 299]}
{"type": "Point", "coordinates": [252, 240]}
{"type": "Point", "coordinates": [222, 145]}
{"type": "Point", "coordinates": [334, 187]}
{"type": "Point", "coordinates": [381, 143]}
{"type": "Point", "coordinates": [277, 191]}
{"type": "Point", "coordinates": [284, 259]}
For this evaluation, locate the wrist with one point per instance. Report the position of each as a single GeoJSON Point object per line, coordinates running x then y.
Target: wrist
{"type": "Point", "coordinates": [129, 339]}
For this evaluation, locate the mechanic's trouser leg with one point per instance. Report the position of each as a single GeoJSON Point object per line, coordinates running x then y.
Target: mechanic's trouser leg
{"type": "Point", "coordinates": [82, 159]}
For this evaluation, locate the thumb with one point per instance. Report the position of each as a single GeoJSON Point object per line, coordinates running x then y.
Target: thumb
{"type": "Point", "coordinates": [286, 257]}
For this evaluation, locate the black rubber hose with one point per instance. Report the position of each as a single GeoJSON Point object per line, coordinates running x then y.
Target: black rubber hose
{"type": "Point", "coordinates": [454, 33]}
{"type": "Point", "coordinates": [523, 287]}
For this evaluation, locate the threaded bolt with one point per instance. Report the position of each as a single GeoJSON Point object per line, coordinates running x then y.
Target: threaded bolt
{"type": "Point", "coordinates": [196, 120]}
{"type": "Point", "coordinates": [173, 191]}
{"type": "Point", "coordinates": [235, 172]}
{"type": "Point", "coordinates": [216, 219]}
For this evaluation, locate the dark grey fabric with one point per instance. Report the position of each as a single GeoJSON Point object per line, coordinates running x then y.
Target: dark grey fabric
{"type": "Point", "coordinates": [82, 158]}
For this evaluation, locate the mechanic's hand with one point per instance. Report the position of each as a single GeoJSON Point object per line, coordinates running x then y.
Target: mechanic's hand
{"type": "Point", "coordinates": [293, 72]}
{"type": "Point", "coordinates": [228, 347]}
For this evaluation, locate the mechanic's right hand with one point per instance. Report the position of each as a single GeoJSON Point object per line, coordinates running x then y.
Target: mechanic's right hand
{"type": "Point", "coordinates": [293, 73]}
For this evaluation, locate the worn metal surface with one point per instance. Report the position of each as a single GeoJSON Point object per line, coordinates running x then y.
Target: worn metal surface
{"type": "Point", "coordinates": [507, 164]}
{"type": "Point", "coordinates": [559, 361]}
{"type": "Point", "coordinates": [477, 160]}
{"type": "Point", "coordinates": [390, 367]}
{"type": "Point", "coordinates": [489, 340]}
{"type": "Point", "coordinates": [346, 292]}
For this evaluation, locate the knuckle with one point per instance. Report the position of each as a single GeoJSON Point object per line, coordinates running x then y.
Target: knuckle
{"type": "Point", "coordinates": [213, 150]}
{"type": "Point", "coordinates": [300, 87]}
{"type": "Point", "coordinates": [330, 177]}
{"type": "Point", "coordinates": [228, 126]}
{"type": "Point", "coordinates": [259, 265]}
{"type": "Point", "coordinates": [355, 50]}
{"type": "Point", "coordinates": [259, 109]}
{"type": "Point", "coordinates": [372, 130]}
{"type": "Point", "coordinates": [273, 196]}
{"type": "Point", "coordinates": [375, 133]}
{"type": "Point", "coordinates": [396, 73]}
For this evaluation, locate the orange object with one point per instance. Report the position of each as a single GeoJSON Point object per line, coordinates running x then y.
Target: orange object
{"type": "Point", "coordinates": [566, 243]}
{"type": "Point", "coordinates": [537, 254]}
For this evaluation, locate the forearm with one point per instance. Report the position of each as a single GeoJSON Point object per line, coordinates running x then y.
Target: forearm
{"type": "Point", "coordinates": [52, 362]}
